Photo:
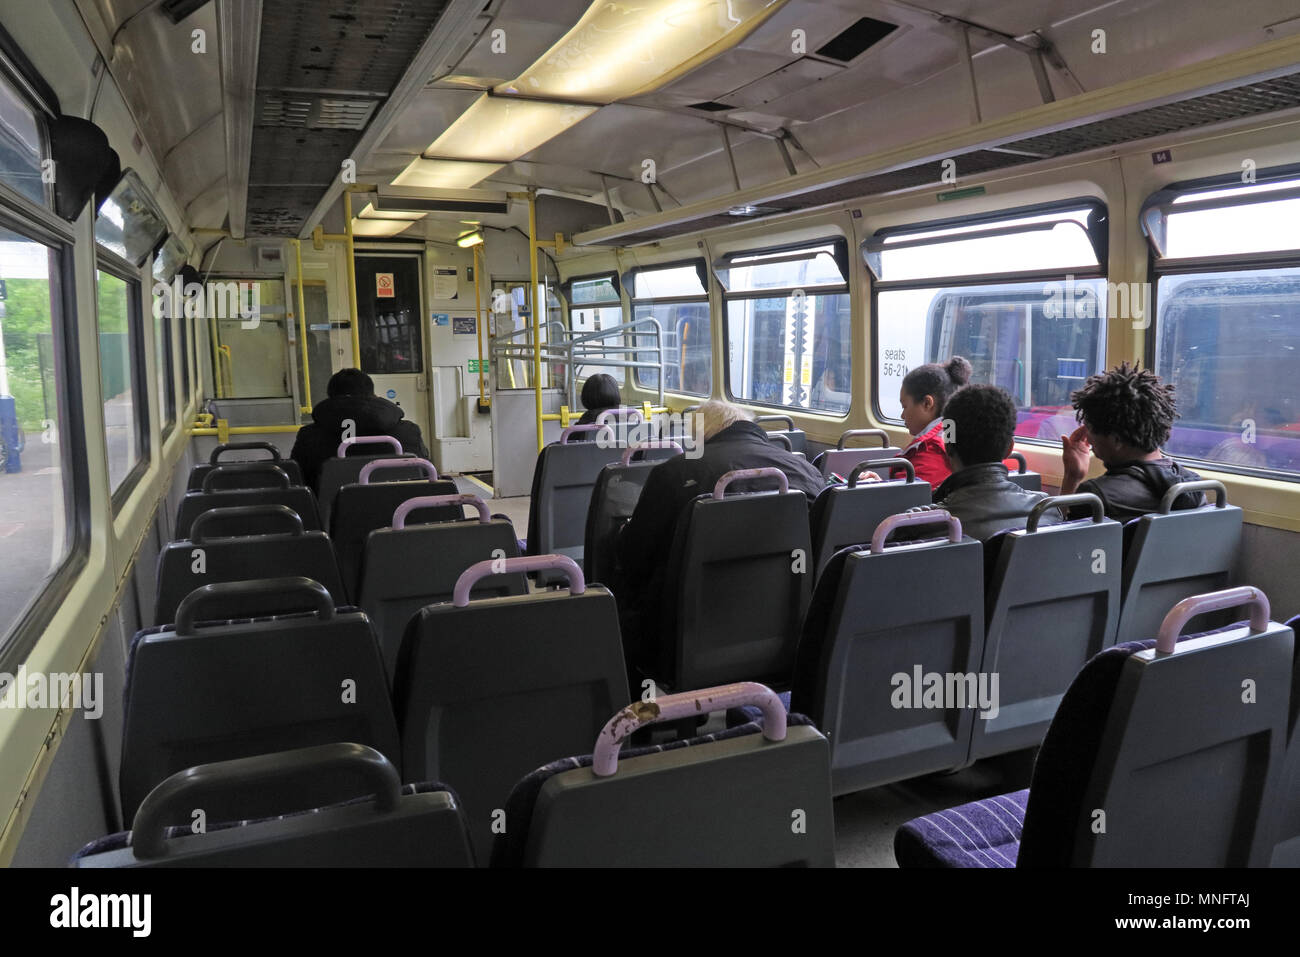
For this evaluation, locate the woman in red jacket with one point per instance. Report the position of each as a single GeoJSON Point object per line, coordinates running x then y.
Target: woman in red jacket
{"type": "Point", "coordinates": [926, 390]}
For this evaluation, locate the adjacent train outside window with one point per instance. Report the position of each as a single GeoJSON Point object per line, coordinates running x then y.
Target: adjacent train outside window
{"type": "Point", "coordinates": [677, 296]}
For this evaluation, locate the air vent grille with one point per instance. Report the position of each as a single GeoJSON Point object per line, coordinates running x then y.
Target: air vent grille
{"type": "Point", "coordinates": [851, 43]}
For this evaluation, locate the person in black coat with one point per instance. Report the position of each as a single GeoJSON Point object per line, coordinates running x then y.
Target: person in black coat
{"type": "Point", "coordinates": [599, 394]}
{"type": "Point", "coordinates": [730, 440]}
{"type": "Point", "coordinates": [352, 409]}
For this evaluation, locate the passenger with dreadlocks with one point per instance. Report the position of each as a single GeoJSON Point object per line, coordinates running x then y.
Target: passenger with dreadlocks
{"type": "Point", "coordinates": [1127, 414]}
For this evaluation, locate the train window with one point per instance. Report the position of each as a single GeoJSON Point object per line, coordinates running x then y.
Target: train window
{"type": "Point", "coordinates": [128, 223]}
{"type": "Point", "coordinates": [125, 410]}
{"type": "Point", "coordinates": [1020, 294]}
{"type": "Point", "coordinates": [677, 297]}
{"type": "Point", "coordinates": [788, 326]}
{"type": "Point", "coordinates": [596, 304]}
{"type": "Point", "coordinates": [36, 500]}
{"type": "Point", "coordinates": [163, 353]}
{"type": "Point", "coordinates": [1226, 263]}
{"type": "Point", "coordinates": [22, 151]}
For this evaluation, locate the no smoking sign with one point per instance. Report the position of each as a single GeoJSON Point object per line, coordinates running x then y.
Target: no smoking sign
{"type": "Point", "coordinates": [384, 285]}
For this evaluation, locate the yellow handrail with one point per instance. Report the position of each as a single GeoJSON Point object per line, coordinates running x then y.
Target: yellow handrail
{"type": "Point", "coordinates": [302, 331]}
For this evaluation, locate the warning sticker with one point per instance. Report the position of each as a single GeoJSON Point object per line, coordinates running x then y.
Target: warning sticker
{"type": "Point", "coordinates": [384, 285]}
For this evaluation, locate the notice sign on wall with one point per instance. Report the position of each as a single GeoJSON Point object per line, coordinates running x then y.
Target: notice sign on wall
{"type": "Point", "coordinates": [464, 326]}
{"type": "Point", "coordinates": [384, 285]}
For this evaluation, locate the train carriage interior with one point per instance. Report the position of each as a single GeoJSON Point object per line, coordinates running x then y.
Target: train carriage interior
{"type": "Point", "coordinates": [237, 585]}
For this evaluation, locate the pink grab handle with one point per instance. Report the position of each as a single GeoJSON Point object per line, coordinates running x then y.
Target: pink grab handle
{"type": "Point", "coordinates": [531, 563]}
{"type": "Point", "coordinates": [431, 501]}
{"type": "Point", "coordinates": [369, 440]}
{"type": "Point", "coordinates": [889, 525]}
{"type": "Point", "coordinates": [1189, 608]}
{"type": "Point", "coordinates": [854, 433]}
{"type": "Point", "coordinates": [740, 475]}
{"type": "Point", "coordinates": [632, 450]}
{"type": "Point", "coordinates": [632, 415]}
{"type": "Point", "coordinates": [371, 467]}
{"type": "Point", "coordinates": [564, 436]}
{"type": "Point", "coordinates": [604, 757]}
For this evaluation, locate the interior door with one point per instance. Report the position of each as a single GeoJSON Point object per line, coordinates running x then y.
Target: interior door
{"type": "Point", "coordinates": [389, 311]}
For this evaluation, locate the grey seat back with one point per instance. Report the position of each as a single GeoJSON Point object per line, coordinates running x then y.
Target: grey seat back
{"type": "Point", "coordinates": [752, 796]}
{"type": "Point", "coordinates": [245, 544]}
{"type": "Point", "coordinates": [352, 456]}
{"type": "Point", "coordinates": [1052, 604]}
{"type": "Point", "coordinates": [488, 690]}
{"type": "Point", "coordinates": [563, 479]}
{"type": "Point", "coordinates": [795, 439]}
{"type": "Point", "coordinates": [1027, 480]}
{"type": "Point", "coordinates": [370, 502]}
{"type": "Point", "coordinates": [840, 460]}
{"type": "Point", "coordinates": [845, 515]}
{"type": "Point", "coordinates": [869, 654]}
{"type": "Point", "coordinates": [245, 472]}
{"type": "Point", "coordinates": [197, 693]}
{"type": "Point", "coordinates": [1173, 555]}
{"type": "Point", "coordinates": [1188, 761]}
{"type": "Point", "coordinates": [405, 567]}
{"type": "Point", "coordinates": [295, 497]}
{"type": "Point", "coordinates": [389, 825]}
{"type": "Point", "coordinates": [1286, 852]}
{"type": "Point", "coordinates": [613, 500]}
{"type": "Point", "coordinates": [738, 582]}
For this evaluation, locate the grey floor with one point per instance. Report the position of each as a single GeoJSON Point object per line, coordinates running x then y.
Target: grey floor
{"type": "Point", "coordinates": [865, 822]}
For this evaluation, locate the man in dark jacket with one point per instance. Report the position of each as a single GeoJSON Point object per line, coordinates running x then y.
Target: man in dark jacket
{"type": "Point", "coordinates": [352, 409]}
{"type": "Point", "coordinates": [982, 424]}
{"type": "Point", "coordinates": [1127, 415]}
{"type": "Point", "coordinates": [729, 441]}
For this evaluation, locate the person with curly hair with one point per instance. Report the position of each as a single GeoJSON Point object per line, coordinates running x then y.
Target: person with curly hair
{"type": "Point", "coordinates": [1126, 415]}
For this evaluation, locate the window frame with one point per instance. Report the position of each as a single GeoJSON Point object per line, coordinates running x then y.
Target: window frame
{"type": "Point", "coordinates": [1099, 234]}
{"type": "Point", "coordinates": [840, 252]}
{"type": "Point", "coordinates": [167, 411]}
{"type": "Point", "coordinates": [40, 224]}
{"type": "Point", "coordinates": [1159, 267]}
{"type": "Point", "coordinates": [108, 261]}
{"type": "Point", "coordinates": [629, 283]}
{"type": "Point", "coordinates": [566, 290]}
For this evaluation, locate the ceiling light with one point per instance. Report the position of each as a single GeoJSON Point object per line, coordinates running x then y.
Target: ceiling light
{"type": "Point", "coordinates": [444, 174]}
{"type": "Point", "coordinates": [370, 212]}
{"type": "Point", "coordinates": [619, 50]}
{"type": "Point", "coordinates": [460, 201]}
{"type": "Point", "coordinates": [504, 129]}
{"type": "Point", "coordinates": [378, 228]}
{"type": "Point", "coordinates": [470, 239]}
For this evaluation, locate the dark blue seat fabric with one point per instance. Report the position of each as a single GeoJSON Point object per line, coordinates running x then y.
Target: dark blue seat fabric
{"type": "Point", "coordinates": [983, 833]}
{"type": "Point", "coordinates": [509, 848]}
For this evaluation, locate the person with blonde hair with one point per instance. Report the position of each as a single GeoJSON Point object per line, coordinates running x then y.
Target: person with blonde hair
{"type": "Point", "coordinates": [729, 440]}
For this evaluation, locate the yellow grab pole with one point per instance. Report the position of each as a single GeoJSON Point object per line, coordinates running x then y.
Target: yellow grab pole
{"type": "Point", "coordinates": [478, 322]}
{"type": "Point", "coordinates": [532, 297]}
{"type": "Point", "coordinates": [302, 331]}
{"type": "Point", "coordinates": [216, 355]}
{"type": "Point", "coordinates": [352, 279]}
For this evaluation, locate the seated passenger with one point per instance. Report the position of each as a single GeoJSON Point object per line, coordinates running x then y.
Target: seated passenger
{"type": "Point", "coordinates": [351, 409]}
{"type": "Point", "coordinates": [728, 440]}
{"type": "Point", "coordinates": [924, 395]}
{"type": "Point", "coordinates": [599, 394]}
{"type": "Point", "coordinates": [978, 492]}
{"type": "Point", "coordinates": [1127, 414]}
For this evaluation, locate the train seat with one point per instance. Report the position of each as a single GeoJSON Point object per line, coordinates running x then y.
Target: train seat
{"type": "Point", "coordinates": [350, 459]}
{"type": "Point", "coordinates": [247, 473]}
{"type": "Point", "coordinates": [563, 479]}
{"type": "Point", "coordinates": [479, 726]}
{"type": "Point", "coordinates": [202, 692]}
{"type": "Point", "coordinates": [1027, 480]}
{"type": "Point", "coordinates": [866, 654]}
{"type": "Point", "coordinates": [840, 460]}
{"type": "Point", "coordinates": [405, 567]}
{"type": "Point", "coordinates": [753, 796]}
{"type": "Point", "coordinates": [212, 495]}
{"type": "Point", "coordinates": [1052, 604]}
{"type": "Point", "coordinates": [1172, 554]}
{"type": "Point", "coordinates": [245, 544]}
{"type": "Point", "coordinates": [613, 500]}
{"type": "Point", "coordinates": [1155, 758]}
{"type": "Point", "coordinates": [845, 515]}
{"type": "Point", "coordinates": [370, 503]}
{"type": "Point", "coordinates": [388, 825]}
{"type": "Point", "coordinates": [737, 584]}
{"type": "Point", "coordinates": [1286, 853]}
{"type": "Point", "coordinates": [795, 439]}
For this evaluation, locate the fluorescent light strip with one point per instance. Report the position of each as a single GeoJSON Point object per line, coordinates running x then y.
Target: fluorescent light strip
{"type": "Point", "coordinates": [378, 227]}
{"type": "Point", "coordinates": [369, 212]}
{"type": "Point", "coordinates": [496, 128]}
{"type": "Point", "coordinates": [444, 174]}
